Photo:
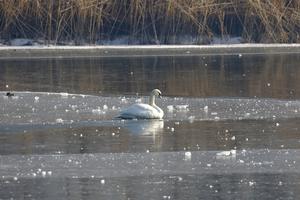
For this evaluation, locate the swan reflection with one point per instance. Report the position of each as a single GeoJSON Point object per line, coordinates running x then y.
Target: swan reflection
{"type": "Point", "coordinates": [144, 127]}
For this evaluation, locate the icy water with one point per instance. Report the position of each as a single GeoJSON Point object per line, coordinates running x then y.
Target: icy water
{"type": "Point", "coordinates": [230, 131]}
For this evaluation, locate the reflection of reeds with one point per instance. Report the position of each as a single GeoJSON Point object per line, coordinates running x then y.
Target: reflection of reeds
{"type": "Point", "coordinates": [155, 21]}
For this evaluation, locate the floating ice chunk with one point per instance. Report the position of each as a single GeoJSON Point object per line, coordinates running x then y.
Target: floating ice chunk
{"type": "Point", "coordinates": [205, 109]}
{"type": "Point", "coordinates": [224, 153]}
{"type": "Point", "coordinates": [74, 107]}
{"type": "Point", "coordinates": [182, 107]}
{"type": "Point", "coordinates": [123, 100]}
{"type": "Point", "coordinates": [187, 155]}
{"type": "Point", "coordinates": [64, 94]}
{"type": "Point", "coordinates": [191, 119]}
{"type": "Point", "coordinates": [105, 107]}
{"type": "Point", "coordinates": [251, 183]}
{"type": "Point", "coordinates": [233, 138]}
{"type": "Point", "coordinates": [170, 108]}
{"type": "Point", "coordinates": [98, 111]}
{"type": "Point", "coordinates": [217, 118]}
{"type": "Point", "coordinates": [36, 99]}
{"type": "Point", "coordinates": [231, 153]}
{"type": "Point", "coordinates": [139, 100]}
{"type": "Point", "coordinates": [59, 120]}
{"type": "Point", "coordinates": [214, 113]}
{"type": "Point", "coordinates": [102, 181]}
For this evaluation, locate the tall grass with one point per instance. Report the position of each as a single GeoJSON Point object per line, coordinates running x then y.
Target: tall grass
{"type": "Point", "coordinates": [150, 21]}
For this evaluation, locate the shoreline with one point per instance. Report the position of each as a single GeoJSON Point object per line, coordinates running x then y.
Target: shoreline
{"type": "Point", "coordinates": [36, 52]}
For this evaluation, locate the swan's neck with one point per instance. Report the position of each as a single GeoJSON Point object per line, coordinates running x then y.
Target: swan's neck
{"type": "Point", "coordinates": [152, 100]}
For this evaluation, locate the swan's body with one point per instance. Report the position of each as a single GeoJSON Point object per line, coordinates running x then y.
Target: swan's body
{"type": "Point", "coordinates": [144, 111]}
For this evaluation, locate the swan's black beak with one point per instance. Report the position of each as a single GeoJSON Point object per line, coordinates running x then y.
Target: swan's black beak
{"type": "Point", "coordinates": [159, 96]}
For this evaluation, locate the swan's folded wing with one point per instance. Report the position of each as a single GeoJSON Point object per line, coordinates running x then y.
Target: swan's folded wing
{"type": "Point", "coordinates": [139, 111]}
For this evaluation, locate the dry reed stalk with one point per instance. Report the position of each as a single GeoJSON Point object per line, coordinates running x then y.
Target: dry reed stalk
{"type": "Point", "coordinates": [159, 21]}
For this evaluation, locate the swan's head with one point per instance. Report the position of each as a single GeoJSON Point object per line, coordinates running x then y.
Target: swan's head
{"type": "Point", "coordinates": [156, 92]}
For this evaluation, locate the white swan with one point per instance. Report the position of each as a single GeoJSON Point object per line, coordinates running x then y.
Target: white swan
{"type": "Point", "coordinates": [144, 111]}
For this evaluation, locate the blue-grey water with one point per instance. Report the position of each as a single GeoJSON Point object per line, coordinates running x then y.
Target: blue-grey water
{"type": "Point", "coordinates": [230, 130]}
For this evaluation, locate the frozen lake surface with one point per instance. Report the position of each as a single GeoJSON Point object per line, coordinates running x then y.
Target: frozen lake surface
{"type": "Point", "coordinates": [230, 131]}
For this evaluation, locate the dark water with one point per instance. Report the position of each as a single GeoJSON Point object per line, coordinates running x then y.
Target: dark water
{"type": "Point", "coordinates": [230, 131]}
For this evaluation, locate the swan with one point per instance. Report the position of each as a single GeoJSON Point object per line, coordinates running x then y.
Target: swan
{"type": "Point", "coordinates": [144, 111]}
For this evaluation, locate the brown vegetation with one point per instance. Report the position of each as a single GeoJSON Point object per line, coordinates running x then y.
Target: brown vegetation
{"type": "Point", "coordinates": [150, 21]}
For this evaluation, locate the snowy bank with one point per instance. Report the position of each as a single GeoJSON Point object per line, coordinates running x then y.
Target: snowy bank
{"type": "Point", "coordinates": [142, 50]}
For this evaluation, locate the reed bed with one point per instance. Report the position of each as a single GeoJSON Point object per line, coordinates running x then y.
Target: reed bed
{"type": "Point", "coordinates": [150, 21]}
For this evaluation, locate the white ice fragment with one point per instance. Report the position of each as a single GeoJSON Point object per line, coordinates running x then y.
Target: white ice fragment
{"type": "Point", "coordinates": [188, 155]}
{"type": "Point", "coordinates": [147, 151]}
{"type": "Point", "coordinates": [280, 183]}
{"type": "Point", "coordinates": [98, 111]}
{"type": "Point", "coordinates": [59, 120]}
{"type": "Point", "coordinates": [139, 100]}
{"type": "Point", "coordinates": [240, 55]}
{"type": "Point", "coordinates": [44, 173]}
{"type": "Point", "coordinates": [64, 94]}
{"type": "Point", "coordinates": [113, 134]}
{"type": "Point", "coordinates": [182, 107]}
{"type": "Point", "coordinates": [241, 161]}
{"type": "Point", "coordinates": [277, 124]}
{"type": "Point", "coordinates": [102, 181]}
{"type": "Point", "coordinates": [123, 100]}
{"type": "Point", "coordinates": [191, 119]}
{"type": "Point", "coordinates": [251, 183]}
{"type": "Point", "coordinates": [170, 108]}
{"type": "Point", "coordinates": [172, 129]}
{"type": "Point", "coordinates": [49, 173]}
{"type": "Point", "coordinates": [233, 138]}
{"type": "Point", "coordinates": [224, 154]}
{"type": "Point", "coordinates": [208, 165]}
{"type": "Point", "coordinates": [6, 86]}
{"type": "Point", "coordinates": [15, 178]}
{"type": "Point", "coordinates": [217, 118]}
{"type": "Point", "coordinates": [36, 99]}
{"type": "Point", "coordinates": [233, 152]}
{"type": "Point", "coordinates": [105, 107]}
{"type": "Point", "coordinates": [205, 109]}
{"type": "Point", "coordinates": [214, 113]}
{"type": "Point", "coordinates": [268, 84]}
